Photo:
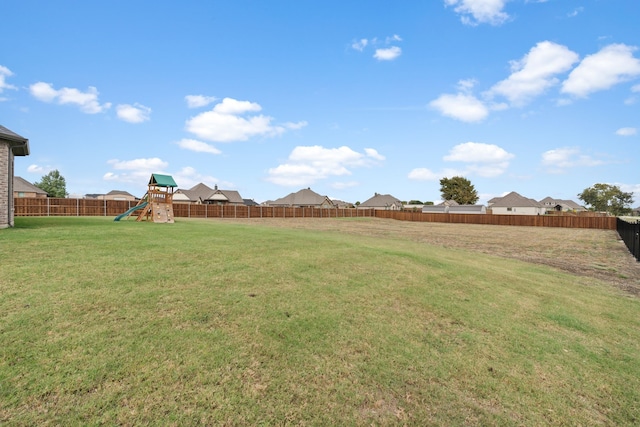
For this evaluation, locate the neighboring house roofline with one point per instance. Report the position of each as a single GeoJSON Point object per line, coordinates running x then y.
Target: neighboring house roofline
{"type": "Point", "coordinates": [19, 145]}
{"type": "Point", "coordinates": [21, 185]}
{"type": "Point", "coordinates": [304, 197]}
{"type": "Point", "coordinates": [382, 201]}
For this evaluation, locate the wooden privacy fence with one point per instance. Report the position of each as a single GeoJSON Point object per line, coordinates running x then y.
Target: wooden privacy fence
{"type": "Point", "coordinates": [92, 207]}
{"type": "Point", "coordinates": [630, 233]}
{"type": "Point", "coordinates": [603, 223]}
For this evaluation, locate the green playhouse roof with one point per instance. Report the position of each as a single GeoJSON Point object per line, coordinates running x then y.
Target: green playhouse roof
{"type": "Point", "coordinates": [162, 180]}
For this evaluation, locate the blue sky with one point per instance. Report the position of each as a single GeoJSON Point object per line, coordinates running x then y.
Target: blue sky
{"type": "Point", "coordinates": [349, 98]}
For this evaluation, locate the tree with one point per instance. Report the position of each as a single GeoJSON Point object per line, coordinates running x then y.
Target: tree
{"type": "Point", "coordinates": [459, 189]}
{"type": "Point", "coordinates": [607, 198]}
{"type": "Point", "coordinates": [54, 184]}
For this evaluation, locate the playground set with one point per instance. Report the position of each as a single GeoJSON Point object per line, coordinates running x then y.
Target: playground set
{"type": "Point", "coordinates": [157, 204]}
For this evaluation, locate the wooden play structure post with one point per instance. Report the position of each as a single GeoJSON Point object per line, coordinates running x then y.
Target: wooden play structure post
{"type": "Point", "coordinates": [159, 200]}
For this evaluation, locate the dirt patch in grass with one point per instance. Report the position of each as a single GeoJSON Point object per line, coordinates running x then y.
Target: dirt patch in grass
{"type": "Point", "coordinates": [583, 252]}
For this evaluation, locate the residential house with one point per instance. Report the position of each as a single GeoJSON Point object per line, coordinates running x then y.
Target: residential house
{"type": "Point", "coordinates": [23, 188]}
{"type": "Point", "coordinates": [11, 145]}
{"type": "Point", "coordinates": [342, 204]}
{"type": "Point", "coordinates": [382, 202]}
{"type": "Point", "coordinates": [515, 204]}
{"type": "Point", "coordinates": [203, 194]}
{"type": "Point", "coordinates": [305, 198]}
{"type": "Point", "coordinates": [468, 209]}
{"type": "Point", "coordinates": [551, 204]}
{"type": "Point", "coordinates": [440, 208]}
{"type": "Point", "coordinates": [118, 195]}
{"type": "Point", "coordinates": [451, 206]}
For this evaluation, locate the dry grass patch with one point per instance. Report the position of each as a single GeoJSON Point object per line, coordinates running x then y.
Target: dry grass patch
{"type": "Point", "coordinates": [582, 252]}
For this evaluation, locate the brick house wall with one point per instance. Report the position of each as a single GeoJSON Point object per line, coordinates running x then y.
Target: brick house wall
{"type": "Point", "coordinates": [6, 178]}
{"type": "Point", "coordinates": [11, 145]}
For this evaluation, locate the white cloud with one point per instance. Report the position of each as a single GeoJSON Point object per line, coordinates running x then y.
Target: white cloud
{"type": "Point", "coordinates": [383, 51]}
{"type": "Point", "coordinates": [228, 121]}
{"type": "Point", "coordinates": [561, 159]}
{"type": "Point", "coordinates": [613, 64]}
{"type": "Point", "coordinates": [4, 73]}
{"type": "Point", "coordinates": [233, 106]}
{"type": "Point", "coordinates": [359, 45]}
{"type": "Point", "coordinates": [295, 126]}
{"type": "Point", "coordinates": [479, 11]}
{"type": "Point", "coordinates": [39, 169]}
{"type": "Point", "coordinates": [477, 152]}
{"type": "Point", "coordinates": [424, 174]}
{"type": "Point", "coordinates": [196, 101]}
{"type": "Point", "coordinates": [135, 113]}
{"type": "Point", "coordinates": [134, 171]}
{"type": "Point", "coordinates": [466, 85]}
{"type": "Point", "coordinates": [188, 176]}
{"type": "Point", "coordinates": [626, 131]}
{"type": "Point", "coordinates": [633, 98]}
{"type": "Point", "coordinates": [152, 164]}
{"type": "Point", "coordinates": [485, 160]}
{"type": "Point", "coordinates": [87, 101]}
{"type": "Point", "coordinates": [373, 154]}
{"type": "Point", "coordinates": [630, 188]}
{"type": "Point", "coordinates": [309, 164]}
{"type": "Point", "coordinates": [535, 72]}
{"type": "Point", "coordinates": [575, 12]}
{"type": "Point", "coordinates": [463, 107]}
{"type": "Point", "coordinates": [197, 146]}
{"type": "Point", "coordinates": [387, 54]}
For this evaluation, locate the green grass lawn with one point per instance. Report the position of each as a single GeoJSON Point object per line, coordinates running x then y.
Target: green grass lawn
{"type": "Point", "coordinates": [204, 322]}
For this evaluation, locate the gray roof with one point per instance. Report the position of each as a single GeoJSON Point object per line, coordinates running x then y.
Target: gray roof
{"type": "Point", "coordinates": [381, 201]}
{"type": "Point", "coordinates": [514, 199]}
{"type": "Point", "coordinates": [466, 208]}
{"type": "Point", "coordinates": [21, 185]}
{"type": "Point", "coordinates": [435, 208]}
{"type": "Point", "coordinates": [119, 193]}
{"type": "Point", "coordinates": [569, 204]}
{"type": "Point", "coordinates": [205, 193]}
{"type": "Point", "coordinates": [19, 145]}
{"type": "Point", "coordinates": [456, 208]}
{"type": "Point", "coordinates": [304, 197]}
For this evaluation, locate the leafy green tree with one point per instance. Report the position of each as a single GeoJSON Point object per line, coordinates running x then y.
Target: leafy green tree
{"type": "Point", "coordinates": [459, 189]}
{"type": "Point", "coordinates": [414, 202]}
{"type": "Point", "coordinates": [54, 184]}
{"type": "Point", "coordinates": [607, 198]}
